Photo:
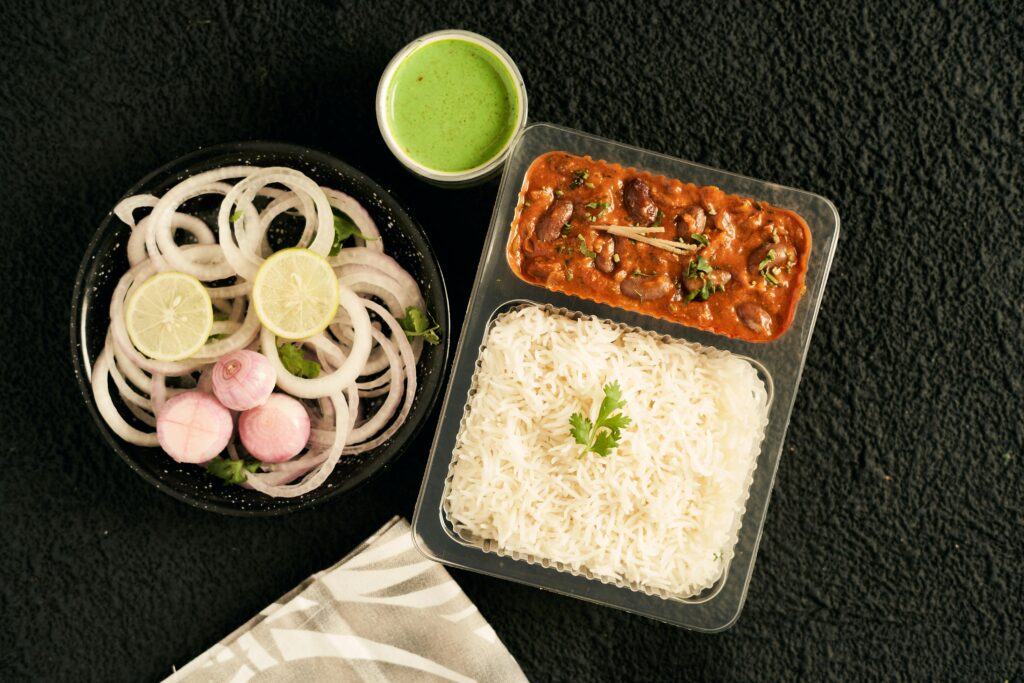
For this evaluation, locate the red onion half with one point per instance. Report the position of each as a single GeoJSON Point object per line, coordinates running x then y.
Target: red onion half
{"type": "Point", "coordinates": [275, 431]}
{"type": "Point", "coordinates": [193, 427]}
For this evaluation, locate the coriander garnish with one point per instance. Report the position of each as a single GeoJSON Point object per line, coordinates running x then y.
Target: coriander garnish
{"type": "Point", "coordinates": [590, 435]}
{"type": "Point", "coordinates": [697, 266]}
{"type": "Point", "coordinates": [232, 471]}
{"type": "Point", "coordinates": [296, 363]}
{"type": "Point", "coordinates": [583, 247]}
{"type": "Point", "coordinates": [417, 324]}
{"type": "Point", "coordinates": [762, 268]}
{"type": "Point", "coordinates": [345, 227]}
{"type": "Point", "coordinates": [700, 268]}
{"type": "Point", "coordinates": [578, 178]}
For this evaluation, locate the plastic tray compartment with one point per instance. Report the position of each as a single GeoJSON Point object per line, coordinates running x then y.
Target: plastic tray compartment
{"type": "Point", "coordinates": [498, 289]}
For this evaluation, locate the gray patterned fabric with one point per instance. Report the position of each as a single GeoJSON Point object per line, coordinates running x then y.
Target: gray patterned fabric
{"type": "Point", "coordinates": [384, 613]}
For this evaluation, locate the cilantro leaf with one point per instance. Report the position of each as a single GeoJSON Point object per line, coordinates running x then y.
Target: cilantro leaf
{"type": "Point", "coordinates": [618, 422]}
{"type": "Point", "coordinates": [698, 266]}
{"type": "Point", "coordinates": [590, 435]}
{"type": "Point", "coordinates": [604, 443]}
{"type": "Point", "coordinates": [583, 247]}
{"type": "Point", "coordinates": [344, 227]}
{"type": "Point", "coordinates": [580, 428]}
{"type": "Point", "coordinates": [700, 238]}
{"type": "Point", "coordinates": [764, 265]}
{"type": "Point", "coordinates": [232, 471]}
{"type": "Point", "coordinates": [296, 363]}
{"type": "Point", "coordinates": [578, 178]}
{"type": "Point", "coordinates": [612, 401]}
{"type": "Point", "coordinates": [417, 324]}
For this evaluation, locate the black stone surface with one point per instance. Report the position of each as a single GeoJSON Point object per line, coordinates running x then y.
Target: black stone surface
{"type": "Point", "coordinates": [894, 546]}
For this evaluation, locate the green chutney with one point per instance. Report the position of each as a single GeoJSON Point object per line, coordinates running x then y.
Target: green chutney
{"type": "Point", "coordinates": [452, 105]}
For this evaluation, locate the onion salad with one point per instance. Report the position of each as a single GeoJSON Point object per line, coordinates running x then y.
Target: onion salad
{"type": "Point", "coordinates": [255, 409]}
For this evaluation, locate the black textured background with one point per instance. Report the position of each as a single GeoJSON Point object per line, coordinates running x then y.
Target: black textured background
{"type": "Point", "coordinates": [893, 547]}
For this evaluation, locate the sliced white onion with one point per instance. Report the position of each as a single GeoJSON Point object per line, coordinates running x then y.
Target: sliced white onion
{"type": "Point", "coordinates": [128, 394]}
{"type": "Point", "coordinates": [164, 219]}
{"type": "Point", "coordinates": [125, 210]}
{"type": "Point", "coordinates": [234, 291]}
{"type": "Point", "coordinates": [368, 257]}
{"type": "Point", "coordinates": [142, 415]}
{"type": "Point", "coordinates": [288, 202]}
{"type": "Point", "coordinates": [107, 409]}
{"type": "Point", "coordinates": [335, 382]}
{"type": "Point", "coordinates": [245, 257]}
{"type": "Point", "coordinates": [160, 393]}
{"type": "Point", "coordinates": [240, 338]}
{"type": "Point", "coordinates": [387, 409]}
{"type": "Point", "coordinates": [373, 282]}
{"type": "Point", "coordinates": [132, 372]}
{"type": "Point", "coordinates": [398, 336]}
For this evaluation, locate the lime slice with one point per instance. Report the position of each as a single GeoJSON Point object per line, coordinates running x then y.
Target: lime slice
{"type": "Point", "coordinates": [295, 293]}
{"type": "Point", "coordinates": [169, 316]}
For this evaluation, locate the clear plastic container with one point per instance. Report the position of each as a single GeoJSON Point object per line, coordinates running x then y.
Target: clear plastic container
{"type": "Point", "coordinates": [498, 289]}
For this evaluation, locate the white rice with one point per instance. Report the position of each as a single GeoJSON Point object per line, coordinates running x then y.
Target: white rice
{"type": "Point", "coordinates": [659, 514]}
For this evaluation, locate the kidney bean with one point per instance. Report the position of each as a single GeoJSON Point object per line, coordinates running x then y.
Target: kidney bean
{"type": "Point", "coordinates": [782, 254]}
{"type": "Point", "coordinates": [691, 221]}
{"type": "Point", "coordinates": [549, 226]}
{"type": "Point", "coordinates": [605, 259]}
{"type": "Point", "coordinates": [646, 288]}
{"type": "Point", "coordinates": [636, 195]}
{"type": "Point", "coordinates": [754, 317]}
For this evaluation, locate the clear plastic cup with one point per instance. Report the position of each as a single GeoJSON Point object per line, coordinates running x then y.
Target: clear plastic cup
{"type": "Point", "coordinates": [469, 177]}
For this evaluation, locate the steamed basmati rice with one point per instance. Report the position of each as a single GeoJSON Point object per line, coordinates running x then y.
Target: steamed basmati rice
{"type": "Point", "coordinates": [659, 514]}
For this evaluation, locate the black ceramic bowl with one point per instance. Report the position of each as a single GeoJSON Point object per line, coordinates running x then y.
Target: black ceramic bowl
{"type": "Point", "coordinates": [106, 261]}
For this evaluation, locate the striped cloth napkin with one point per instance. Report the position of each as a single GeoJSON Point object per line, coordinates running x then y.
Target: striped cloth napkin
{"type": "Point", "coordinates": [384, 613]}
